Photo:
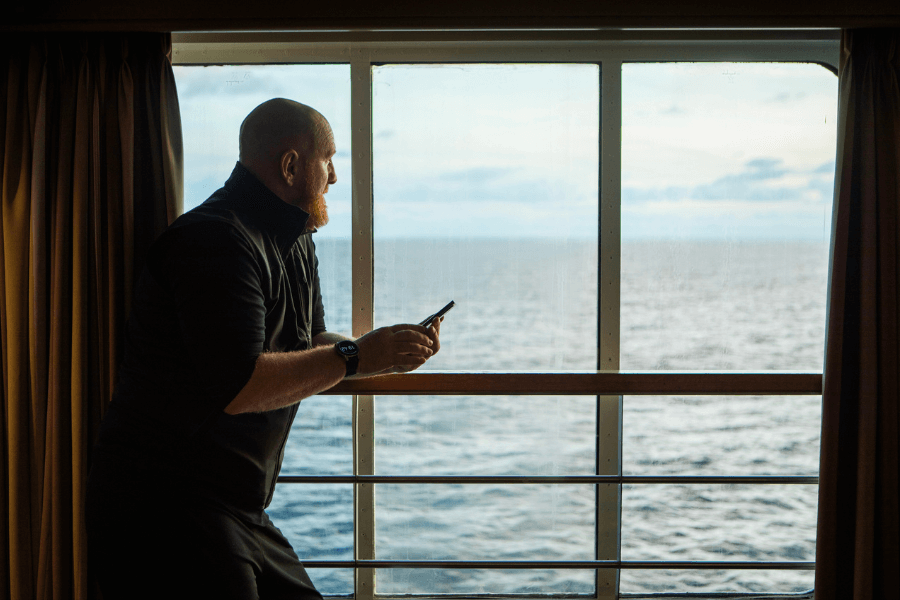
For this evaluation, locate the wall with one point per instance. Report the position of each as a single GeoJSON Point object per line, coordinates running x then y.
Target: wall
{"type": "Point", "coordinates": [197, 15]}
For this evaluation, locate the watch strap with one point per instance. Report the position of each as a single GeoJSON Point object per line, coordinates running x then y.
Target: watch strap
{"type": "Point", "coordinates": [352, 365]}
{"type": "Point", "coordinates": [349, 351]}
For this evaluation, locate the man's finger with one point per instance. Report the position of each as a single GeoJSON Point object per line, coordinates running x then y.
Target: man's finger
{"type": "Point", "coordinates": [410, 361]}
{"type": "Point", "coordinates": [413, 349]}
{"type": "Point", "coordinates": [408, 335]}
{"type": "Point", "coordinates": [410, 327]}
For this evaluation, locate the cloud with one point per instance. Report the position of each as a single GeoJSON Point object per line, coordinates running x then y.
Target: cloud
{"type": "Point", "coordinates": [200, 82]}
{"type": "Point", "coordinates": [210, 83]}
{"type": "Point", "coordinates": [475, 176]}
{"type": "Point", "coordinates": [762, 179]}
{"type": "Point", "coordinates": [674, 109]}
{"type": "Point", "coordinates": [468, 217]}
{"type": "Point", "coordinates": [780, 98]}
{"type": "Point", "coordinates": [787, 98]}
{"type": "Point", "coordinates": [765, 168]}
{"type": "Point", "coordinates": [825, 168]}
{"type": "Point", "coordinates": [421, 192]}
{"type": "Point", "coordinates": [516, 186]}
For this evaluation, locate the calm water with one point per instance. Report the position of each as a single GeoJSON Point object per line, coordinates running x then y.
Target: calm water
{"type": "Point", "coordinates": [532, 306]}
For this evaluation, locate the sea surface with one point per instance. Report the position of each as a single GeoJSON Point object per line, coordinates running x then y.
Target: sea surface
{"type": "Point", "coordinates": [531, 305]}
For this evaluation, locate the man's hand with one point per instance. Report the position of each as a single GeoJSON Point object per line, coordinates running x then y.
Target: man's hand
{"type": "Point", "coordinates": [397, 349]}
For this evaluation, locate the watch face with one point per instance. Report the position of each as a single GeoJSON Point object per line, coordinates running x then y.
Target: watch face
{"type": "Point", "coordinates": [347, 348]}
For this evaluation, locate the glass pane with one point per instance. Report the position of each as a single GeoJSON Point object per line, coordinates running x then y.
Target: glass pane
{"type": "Point", "coordinates": [709, 583]}
{"type": "Point", "coordinates": [718, 523]}
{"type": "Point", "coordinates": [214, 100]}
{"type": "Point", "coordinates": [485, 192]}
{"type": "Point", "coordinates": [428, 583]}
{"type": "Point", "coordinates": [485, 435]}
{"type": "Point", "coordinates": [321, 438]}
{"type": "Point", "coordinates": [317, 519]}
{"type": "Point", "coordinates": [721, 435]}
{"type": "Point", "coordinates": [727, 177]}
{"type": "Point", "coordinates": [485, 522]}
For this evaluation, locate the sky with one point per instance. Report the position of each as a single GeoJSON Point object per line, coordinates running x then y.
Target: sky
{"type": "Point", "coordinates": [709, 150]}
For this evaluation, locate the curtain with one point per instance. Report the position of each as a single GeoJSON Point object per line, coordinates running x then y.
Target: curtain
{"type": "Point", "coordinates": [858, 538]}
{"type": "Point", "coordinates": [91, 173]}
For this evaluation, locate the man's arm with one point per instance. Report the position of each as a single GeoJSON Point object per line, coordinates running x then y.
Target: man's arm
{"type": "Point", "coordinates": [328, 338]}
{"type": "Point", "coordinates": [283, 378]}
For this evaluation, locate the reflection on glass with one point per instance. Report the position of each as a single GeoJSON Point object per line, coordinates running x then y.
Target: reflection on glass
{"type": "Point", "coordinates": [485, 522]}
{"type": "Point", "coordinates": [718, 523]}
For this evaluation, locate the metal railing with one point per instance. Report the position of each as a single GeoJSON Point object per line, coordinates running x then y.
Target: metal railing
{"type": "Point", "coordinates": [575, 384]}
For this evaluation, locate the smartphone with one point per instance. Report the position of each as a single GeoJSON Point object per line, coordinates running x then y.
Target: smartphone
{"type": "Point", "coordinates": [427, 322]}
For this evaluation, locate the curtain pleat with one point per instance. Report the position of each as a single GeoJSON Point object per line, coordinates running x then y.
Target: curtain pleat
{"type": "Point", "coordinates": [858, 537]}
{"type": "Point", "coordinates": [91, 175]}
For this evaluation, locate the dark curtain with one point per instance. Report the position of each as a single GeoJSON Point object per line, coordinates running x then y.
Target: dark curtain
{"type": "Point", "coordinates": [91, 173]}
{"type": "Point", "coordinates": [858, 540]}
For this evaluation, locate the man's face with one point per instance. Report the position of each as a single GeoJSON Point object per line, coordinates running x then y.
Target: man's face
{"type": "Point", "coordinates": [319, 174]}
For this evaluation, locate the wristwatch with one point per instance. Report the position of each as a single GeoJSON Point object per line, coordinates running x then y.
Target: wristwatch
{"type": "Point", "coordinates": [349, 351]}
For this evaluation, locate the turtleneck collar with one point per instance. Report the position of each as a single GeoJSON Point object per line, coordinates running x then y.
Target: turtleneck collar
{"type": "Point", "coordinates": [247, 194]}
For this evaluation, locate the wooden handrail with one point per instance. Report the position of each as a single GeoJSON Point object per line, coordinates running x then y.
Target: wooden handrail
{"type": "Point", "coordinates": [805, 565]}
{"type": "Point", "coordinates": [558, 479]}
{"type": "Point", "coordinates": [599, 383]}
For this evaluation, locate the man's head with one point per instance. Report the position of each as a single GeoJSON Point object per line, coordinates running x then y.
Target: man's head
{"type": "Point", "coordinates": [289, 147]}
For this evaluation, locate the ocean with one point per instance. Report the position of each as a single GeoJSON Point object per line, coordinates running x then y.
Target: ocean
{"type": "Point", "coordinates": [531, 305]}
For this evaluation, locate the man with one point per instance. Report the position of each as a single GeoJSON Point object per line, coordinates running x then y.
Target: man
{"type": "Point", "coordinates": [226, 336]}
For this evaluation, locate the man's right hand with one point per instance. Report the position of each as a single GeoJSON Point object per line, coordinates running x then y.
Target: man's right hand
{"type": "Point", "coordinates": [396, 349]}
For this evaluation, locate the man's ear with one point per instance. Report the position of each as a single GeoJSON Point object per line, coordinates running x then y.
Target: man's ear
{"type": "Point", "coordinates": [289, 166]}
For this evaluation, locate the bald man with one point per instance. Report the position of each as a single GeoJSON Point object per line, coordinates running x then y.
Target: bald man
{"type": "Point", "coordinates": [226, 336]}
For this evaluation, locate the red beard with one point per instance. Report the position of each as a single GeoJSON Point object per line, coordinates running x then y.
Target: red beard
{"type": "Point", "coordinates": [318, 213]}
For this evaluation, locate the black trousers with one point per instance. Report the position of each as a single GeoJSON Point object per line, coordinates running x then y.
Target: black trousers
{"type": "Point", "coordinates": [150, 544]}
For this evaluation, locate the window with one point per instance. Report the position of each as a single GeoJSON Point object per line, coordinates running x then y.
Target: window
{"type": "Point", "coordinates": [724, 262]}
{"type": "Point", "coordinates": [628, 204]}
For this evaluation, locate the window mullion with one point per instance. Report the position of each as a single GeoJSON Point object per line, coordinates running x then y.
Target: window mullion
{"type": "Point", "coordinates": [609, 408]}
{"type": "Point", "coordinates": [362, 262]}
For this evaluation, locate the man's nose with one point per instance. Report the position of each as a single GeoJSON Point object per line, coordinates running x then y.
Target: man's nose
{"type": "Point", "coordinates": [332, 176]}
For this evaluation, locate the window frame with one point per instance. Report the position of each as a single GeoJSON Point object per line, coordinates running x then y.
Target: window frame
{"type": "Point", "coordinates": [609, 50]}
